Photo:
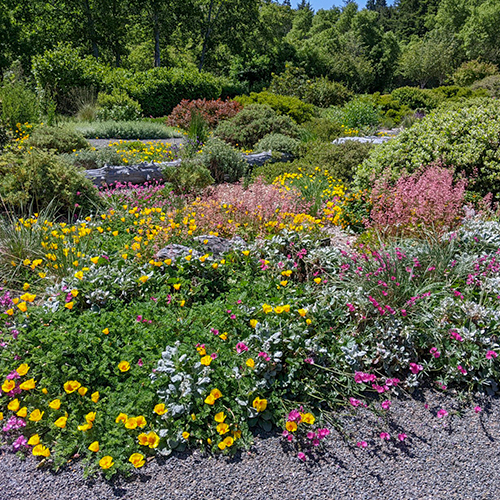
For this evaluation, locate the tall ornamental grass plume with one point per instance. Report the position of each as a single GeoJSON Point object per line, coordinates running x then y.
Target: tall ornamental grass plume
{"type": "Point", "coordinates": [425, 199]}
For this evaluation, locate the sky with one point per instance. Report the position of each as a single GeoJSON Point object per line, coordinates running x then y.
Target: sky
{"type": "Point", "coordinates": [328, 4]}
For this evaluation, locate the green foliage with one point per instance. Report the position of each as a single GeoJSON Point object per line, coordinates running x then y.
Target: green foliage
{"type": "Point", "coordinates": [472, 71]}
{"type": "Point", "coordinates": [19, 104]}
{"type": "Point", "coordinates": [94, 158]}
{"type": "Point", "coordinates": [39, 178]}
{"type": "Point", "coordinates": [190, 177]}
{"type": "Point", "coordinates": [465, 138]}
{"type": "Point", "coordinates": [361, 113]}
{"type": "Point", "coordinates": [198, 127]}
{"type": "Point", "coordinates": [282, 104]}
{"type": "Point", "coordinates": [159, 90]}
{"type": "Point", "coordinates": [4, 136]}
{"type": "Point", "coordinates": [117, 106]}
{"type": "Point", "coordinates": [61, 73]}
{"type": "Point", "coordinates": [392, 109]}
{"type": "Point", "coordinates": [62, 140]}
{"type": "Point", "coordinates": [320, 92]}
{"type": "Point", "coordinates": [323, 129]}
{"type": "Point", "coordinates": [277, 142]}
{"type": "Point", "coordinates": [253, 123]}
{"type": "Point", "coordinates": [126, 130]}
{"type": "Point", "coordinates": [224, 163]}
{"type": "Point", "coordinates": [454, 92]}
{"type": "Point", "coordinates": [491, 84]}
{"type": "Point", "coordinates": [415, 98]}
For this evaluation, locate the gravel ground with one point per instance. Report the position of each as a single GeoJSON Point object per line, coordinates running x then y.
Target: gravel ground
{"type": "Point", "coordinates": [455, 457]}
{"type": "Point", "coordinates": [102, 143]}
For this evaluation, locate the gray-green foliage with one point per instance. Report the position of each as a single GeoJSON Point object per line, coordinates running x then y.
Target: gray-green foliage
{"type": "Point", "coordinates": [277, 142]}
{"type": "Point", "coordinates": [126, 130]}
{"type": "Point", "coordinates": [466, 138]}
{"type": "Point", "coordinates": [491, 84]}
{"type": "Point", "coordinates": [62, 140]}
{"type": "Point", "coordinates": [224, 163]}
{"type": "Point", "coordinates": [94, 158]}
{"type": "Point", "coordinates": [191, 176]}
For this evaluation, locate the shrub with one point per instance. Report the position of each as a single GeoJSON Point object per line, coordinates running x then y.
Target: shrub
{"type": "Point", "coordinates": [118, 106]}
{"type": "Point", "coordinates": [159, 90]}
{"type": "Point", "coordinates": [19, 104]}
{"type": "Point", "coordinates": [415, 98]}
{"type": "Point", "coordinates": [454, 92]}
{"type": "Point", "coordinates": [426, 199]}
{"type": "Point", "coordinates": [465, 137]}
{"type": "Point", "coordinates": [190, 177]}
{"type": "Point", "coordinates": [491, 84]}
{"type": "Point", "coordinates": [473, 71]}
{"type": "Point", "coordinates": [392, 109]}
{"type": "Point", "coordinates": [126, 130]}
{"type": "Point", "coordinates": [38, 179]}
{"type": "Point", "coordinates": [320, 92]}
{"type": "Point", "coordinates": [361, 113]}
{"type": "Point", "coordinates": [323, 129]}
{"type": "Point", "coordinates": [253, 123]}
{"type": "Point", "coordinates": [61, 72]}
{"type": "Point", "coordinates": [293, 107]}
{"type": "Point", "coordinates": [94, 158]}
{"type": "Point", "coordinates": [212, 112]}
{"type": "Point", "coordinates": [4, 136]}
{"type": "Point", "coordinates": [62, 140]}
{"type": "Point", "coordinates": [277, 142]}
{"type": "Point", "coordinates": [224, 163]}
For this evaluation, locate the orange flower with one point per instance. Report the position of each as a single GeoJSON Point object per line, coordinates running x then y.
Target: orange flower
{"type": "Point", "coordinates": [131, 423]}
{"type": "Point", "coordinates": [122, 417]}
{"type": "Point", "coordinates": [220, 417]}
{"type": "Point", "coordinates": [90, 417]}
{"type": "Point", "coordinates": [141, 421]}
{"type": "Point", "coordinates": [216, 393]}
{"type": "Point", "coordinates": [69, 305]}
{"type": "Point", "coordinates": [151, 439]}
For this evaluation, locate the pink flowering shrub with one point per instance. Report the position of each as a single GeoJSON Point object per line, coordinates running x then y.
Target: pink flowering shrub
{"type": "Point", "coordinates": [428, 198]}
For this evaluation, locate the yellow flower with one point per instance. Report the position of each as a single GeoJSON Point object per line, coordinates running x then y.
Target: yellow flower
{"type": "Point", "coordinates": [137, 460]}
{"type": "Point", "coordinates": [94, 260]}
{"type": "Point", "coordinates": [28, 385]}
{"type": "Point", "coordinates": [124, 366]}
{"type": "Point", "coordinates": [160, 409]}
{"type": "Point", "coordinates": [45, 391]}
{"type": "Point", "coordinates": [79, 275]}
{"type": "Point", "coordinates": [253, 323]}
{"type": "Point", "coordinates": [308, 418]}
{"type": "Point", "coordinates": [61, 422]}
{"type": "Point", "coordinates": [237, 434]}
{"type": "Point", "coordinates": [151, 439]}
{"type": "Point", "coordinates": [36, 415]}
{"type": "Point", "coordinates": [28, 297]}
{"type": "Point", "coordinates": [8, 385]}
{"type": "Point", "coordinates": [185, 435]}
{"type": "Point", "coordinates": [90, 417]}
{"type": "Point", "coordinates": [122, 417]}
{"type": "Point", "coordinates": [193, 417]}
{"type": "Point", "coordinates": [250, 362]}
{"type": "Point", "coordinates": [141, 421]}
{"type": "Point", "coordinates": [209, 400]}
{"type": "Point", "coordinates": [22, 370]}
{"type": "Point", "coordinates": [223, 336]}
{"type": "Point", "coordinates": [55, 404]}
{"type": "Point", "coordinates": [228, 441]}
{"type": "Point", "coordinates": [245, 252]}
{"type": "Point", "coordinates": [220, 417]}
{"type": "Point", "coordinates": [308, 321]}
{"type": "Point", "coordinates": [131, 423]}
{"type": "Point", "coordinates": [94, 446]}
{"type": "Point", "coordinates": [13, 405]}
{"type": "Point", "coordinates": [143, 279]}
{"type": "Point", "coordinates": [106, 331]}
{"type": "Point", "coordinates": [286, 308]}
{"type": "Point", "coordinates": [284, 283]}
{"type": "Point", "coordinates": [22, 306]}
{"type": "Point", "coordinates": [291, 426]}
{"type": "Point", "coordinates": [215, 265]}
{"type": "Point", "coordinates": [40, 451]}
{"type": "Point", "coordinates": [82, 391]}
{"type": "Point", "coordinates": [9, 312]}
{"type": "Point", "coordinates": [26, 286]}
{"type": "Point", "coordinates": [267, 308]}
{"type": "Point", "coordinates": [85, 427]}
{"type": "Point", "coordinates": [71, 386]}
{"type": "Point", "coordinates": [106, 462]}
{"type": "Point", "coordinates": [222, 428]}
{"type": "Point", "coordinates": [69, 305]}
{"type": "Point", "coordinates": [278, 309]}
{"type": "Point", "coordinates": [259, 404]}
{"type": "Point", "coordinates": [216, 393]}
{"type": "Point", "coordinates": [74, 292]}
{"type": "Point", "coordinates": [22, 412]}
{"type": "Point", "coordinates": [177, 286]}
{"type": "Point", "coordinates": [34, 440]}
{"type": "Point", "coordinates": [317, 280]}
{"type": "Point", "coordinates": [206, 360]}
{"type": "Point", "coordinates": [302, 312]}
{"type": "Point", "coordinates": [95, 396]}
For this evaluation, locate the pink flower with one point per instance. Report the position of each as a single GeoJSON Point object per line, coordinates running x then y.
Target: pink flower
{"type": "Point", "coordinates": [294, 416]}
{"type": "Point", "coordinates": [477, 409]}
{"type": "Point", "coordinates": [309, 361]}
{"type": "Point", "coordinates": [140, 363]}
{"type": "Point", "coordinates": [322, 433]}
{"type": "Point", "coordinates": [241, 347]}
{"type": "Point", "coordinates": [403, 312]}
{"type": "Point", "coordinates": [311, 435]}
{"type": "Point", "coordinates": [360, 377]}
{"type": "Point", "coordinates": [361, 444]}
{"type": "Point", "coordinates": [462, 370]}
{"type": "Point", "coordinates": [385, 404]}
{"type": "Point", "coordinates": [442, 413]}
{"type": "Point", "coordinates": [139, 318]}
{"type": "Point", "coordinates": [290, 438]}
{"type": "Point", "coordinates": [213, 355]}
{"type": "Point", "coordinates": [355, 402]}
{"type": "Point", "coordinates": [392, 382]}
{"type": "Point", "coordinates": [301, 456]}
{"type": "Point", "coordinates": [315, 442]}
{"type": "Point", "coordinates": [435, 352]}
{"type": "Point", "coordinates": [233, 316]}
{"type": "Point", "coordinates": [455, 335]}
{"type": "Point", "coordinates": [214, 331]}
{"type": "Point", "coordinates": [491, 354]}
{"type": "Point", "coordinates": [414, 368]}
{"type": "Point", "coordinates": [384, 436]}
{"type": "Point", "coordinates": [402, 436]}
{"type": "Point", "coordinates": [380, 388]}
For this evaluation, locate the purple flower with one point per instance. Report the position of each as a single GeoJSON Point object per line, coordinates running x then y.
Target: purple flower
{"type": "Point", "coordinates": [20, 441]}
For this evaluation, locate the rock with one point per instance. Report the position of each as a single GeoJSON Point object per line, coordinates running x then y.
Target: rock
{"type": "Point", "coordinates": [372, 139]}
{"type": "Point", "coordinates": [175, 251]}
{"type": "Point", "coordinates": [218, 245]}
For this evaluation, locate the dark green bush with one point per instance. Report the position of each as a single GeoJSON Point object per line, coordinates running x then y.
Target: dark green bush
{"type": "Point", "coordinates": [391, 108]}
{"type": "Point", "coordinates": [323, 129]}
{"type": "Point", "coordinates": [455, 92]}
{"type": "Point", "coordinates": [19, 104]}
{"type": "Point", "coordinates": [277, 142]}
{"type": "Point", "coordinates": [293, 107]}
{"type": "Point", "coordinates": [472, 71]}
{"type": "Point", "coordinates": [61, 73]}
{"type": "Point", "coordinates": [38, 178]}
{"type": "Point", "coordinates": [466, 138]}
{"type": "Point", "coordinates": [4, 136]}
{"type": "Point", "coordinates": [415, 98]}
{"type": "Point", "coordinates": [253, 123]}
{"type": "Point", "coordinates": [191, 176]}
{"type": "Point", "coordinates": [224, 163]}
{"type": "Point", "coordinates": [62, 140]}
{"type": "Point", "coordinates": [118, 106]}
{"type": "Point", "coordinates": [320, 92]}
{"type": "Point", "coordinates": [159, 90]}
{"type": "Point", "coordinates": [491, 84]}
{"type": "Point", "coordinates": [361, 113]}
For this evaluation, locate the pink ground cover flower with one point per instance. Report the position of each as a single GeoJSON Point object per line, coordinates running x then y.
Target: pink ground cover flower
{"type": "Point", "coordinates": [361, 444]}
{"type": "Point", "coordinates": [462, 370]}
{"type": "Point", "coordinates": [442, 413]}
{"type": "Point", "coordinates": [402, 436]}
{"type": "Point", "coordinates": [415, 368]}
{"type": "Point", "coordinates": [360, 377]}
{"type": "Point", "coordinates": [435, 352]}
{"type": "Point", "coordinates": [384, 436]}
{"type": "Point", "coordinates": [477, 409]}
{"type": "Point", "coordinates": [241, 347]}
{"type": "Point", "coordinates": [491, 354]}
{"type": "Point", "coordinates": [385, 404]}
{"type": "Point", "coordinates": [301, 456]}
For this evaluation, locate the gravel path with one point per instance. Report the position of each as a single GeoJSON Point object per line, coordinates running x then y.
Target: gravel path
{"type": "Point", "coordinates": [456, 457]}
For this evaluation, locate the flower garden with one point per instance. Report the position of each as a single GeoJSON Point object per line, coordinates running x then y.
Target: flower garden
{"type": "Point", "coordinates": [337, 293]}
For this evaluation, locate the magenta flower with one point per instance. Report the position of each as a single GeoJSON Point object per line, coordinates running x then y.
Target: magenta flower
{"type": "Point", "coordinates": [462, 370]}
{"type": "Point", "coordinates": [294, 416]}
{"type": "Point", "coordinates": [360, 377]}
{"type": "Point", "coordinates": [140, 363]}
{"type": "Point", "coordinates": [309, 361]}
{"type": "Point", "coordinates": [322, 433]}
{"type": "Point", "coordinates": [384, 436]}
{"type": "Point", "coordinates": [477, 409]}
{"type": "Point", "coordinates": [139, 318]}
{"type": "Point", "coordinates": [435, 352]}
{"type": "Point", "coordinates": [214, 331]}
{"type": "Point", "coordinates": [402, 436]}
{"type": "Point", "coordinates": [455, 335]}
{"type": "Point", "coordinates": [19, 442]}
{"type": "Point", "coordinates": [301, 456]}
{"type": "Point", "coordinates": [385, 404]}
{"type": "Point", "coordinates": [415, 368]}
{"type": "Point", "coordinates": [392, 382]}
{"type": "Point", "coordinates": [361, 444]}
{"type": "Point", "coordinates": [380, 388]}
{"type": "Point", "coordinates": [241, 347]}
{"type": "Point", "coordinates": [442, 413]}
{"type": "Point", "coordinates": [213, 355]}
{"type": "Point", "coordinates": [311, 435]}
{"type": "Point", "coordinates": [355, 402]}
{"type": "Point", "coordinates": [491, 354]}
